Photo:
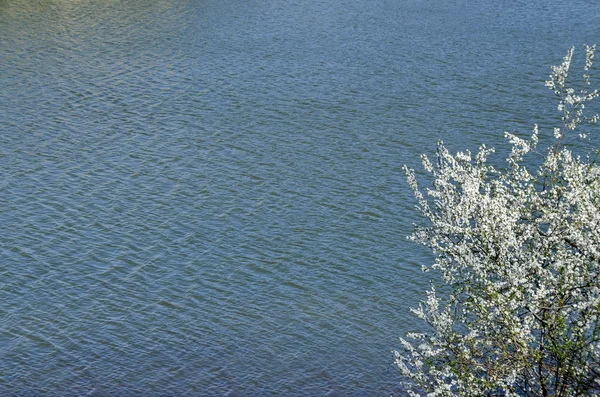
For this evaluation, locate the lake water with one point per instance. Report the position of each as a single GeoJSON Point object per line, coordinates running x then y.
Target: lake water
{"type": "Point", "coordinates": [206, 198]}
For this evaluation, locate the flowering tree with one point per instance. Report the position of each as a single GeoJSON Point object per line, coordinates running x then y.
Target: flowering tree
{"type": "Point", "coordinates": [520, 254]}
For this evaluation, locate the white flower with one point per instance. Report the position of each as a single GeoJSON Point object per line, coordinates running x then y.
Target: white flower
{"type": "Point", "coordinates": [520, 252]}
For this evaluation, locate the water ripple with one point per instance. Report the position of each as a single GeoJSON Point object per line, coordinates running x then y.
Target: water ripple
{"type": "Point", "coordinates": [208, 199]}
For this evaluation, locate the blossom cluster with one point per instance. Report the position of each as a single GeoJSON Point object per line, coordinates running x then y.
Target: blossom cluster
{"type": "Point", "coordinates": [519, 249]}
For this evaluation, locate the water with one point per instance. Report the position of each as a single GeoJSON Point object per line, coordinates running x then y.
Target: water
{"type": "Point", "coordinates": [207, 198]}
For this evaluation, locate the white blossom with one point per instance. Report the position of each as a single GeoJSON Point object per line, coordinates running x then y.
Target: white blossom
{"type": "Point", "coordinates": [519, 249]}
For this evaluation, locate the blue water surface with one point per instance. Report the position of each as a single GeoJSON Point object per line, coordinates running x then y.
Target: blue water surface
{"type": "Point", "coordinates": [206, 198]}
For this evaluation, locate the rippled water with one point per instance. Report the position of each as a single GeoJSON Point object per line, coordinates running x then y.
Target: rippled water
{"type": "Point", "coordinates": [206, 197]}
